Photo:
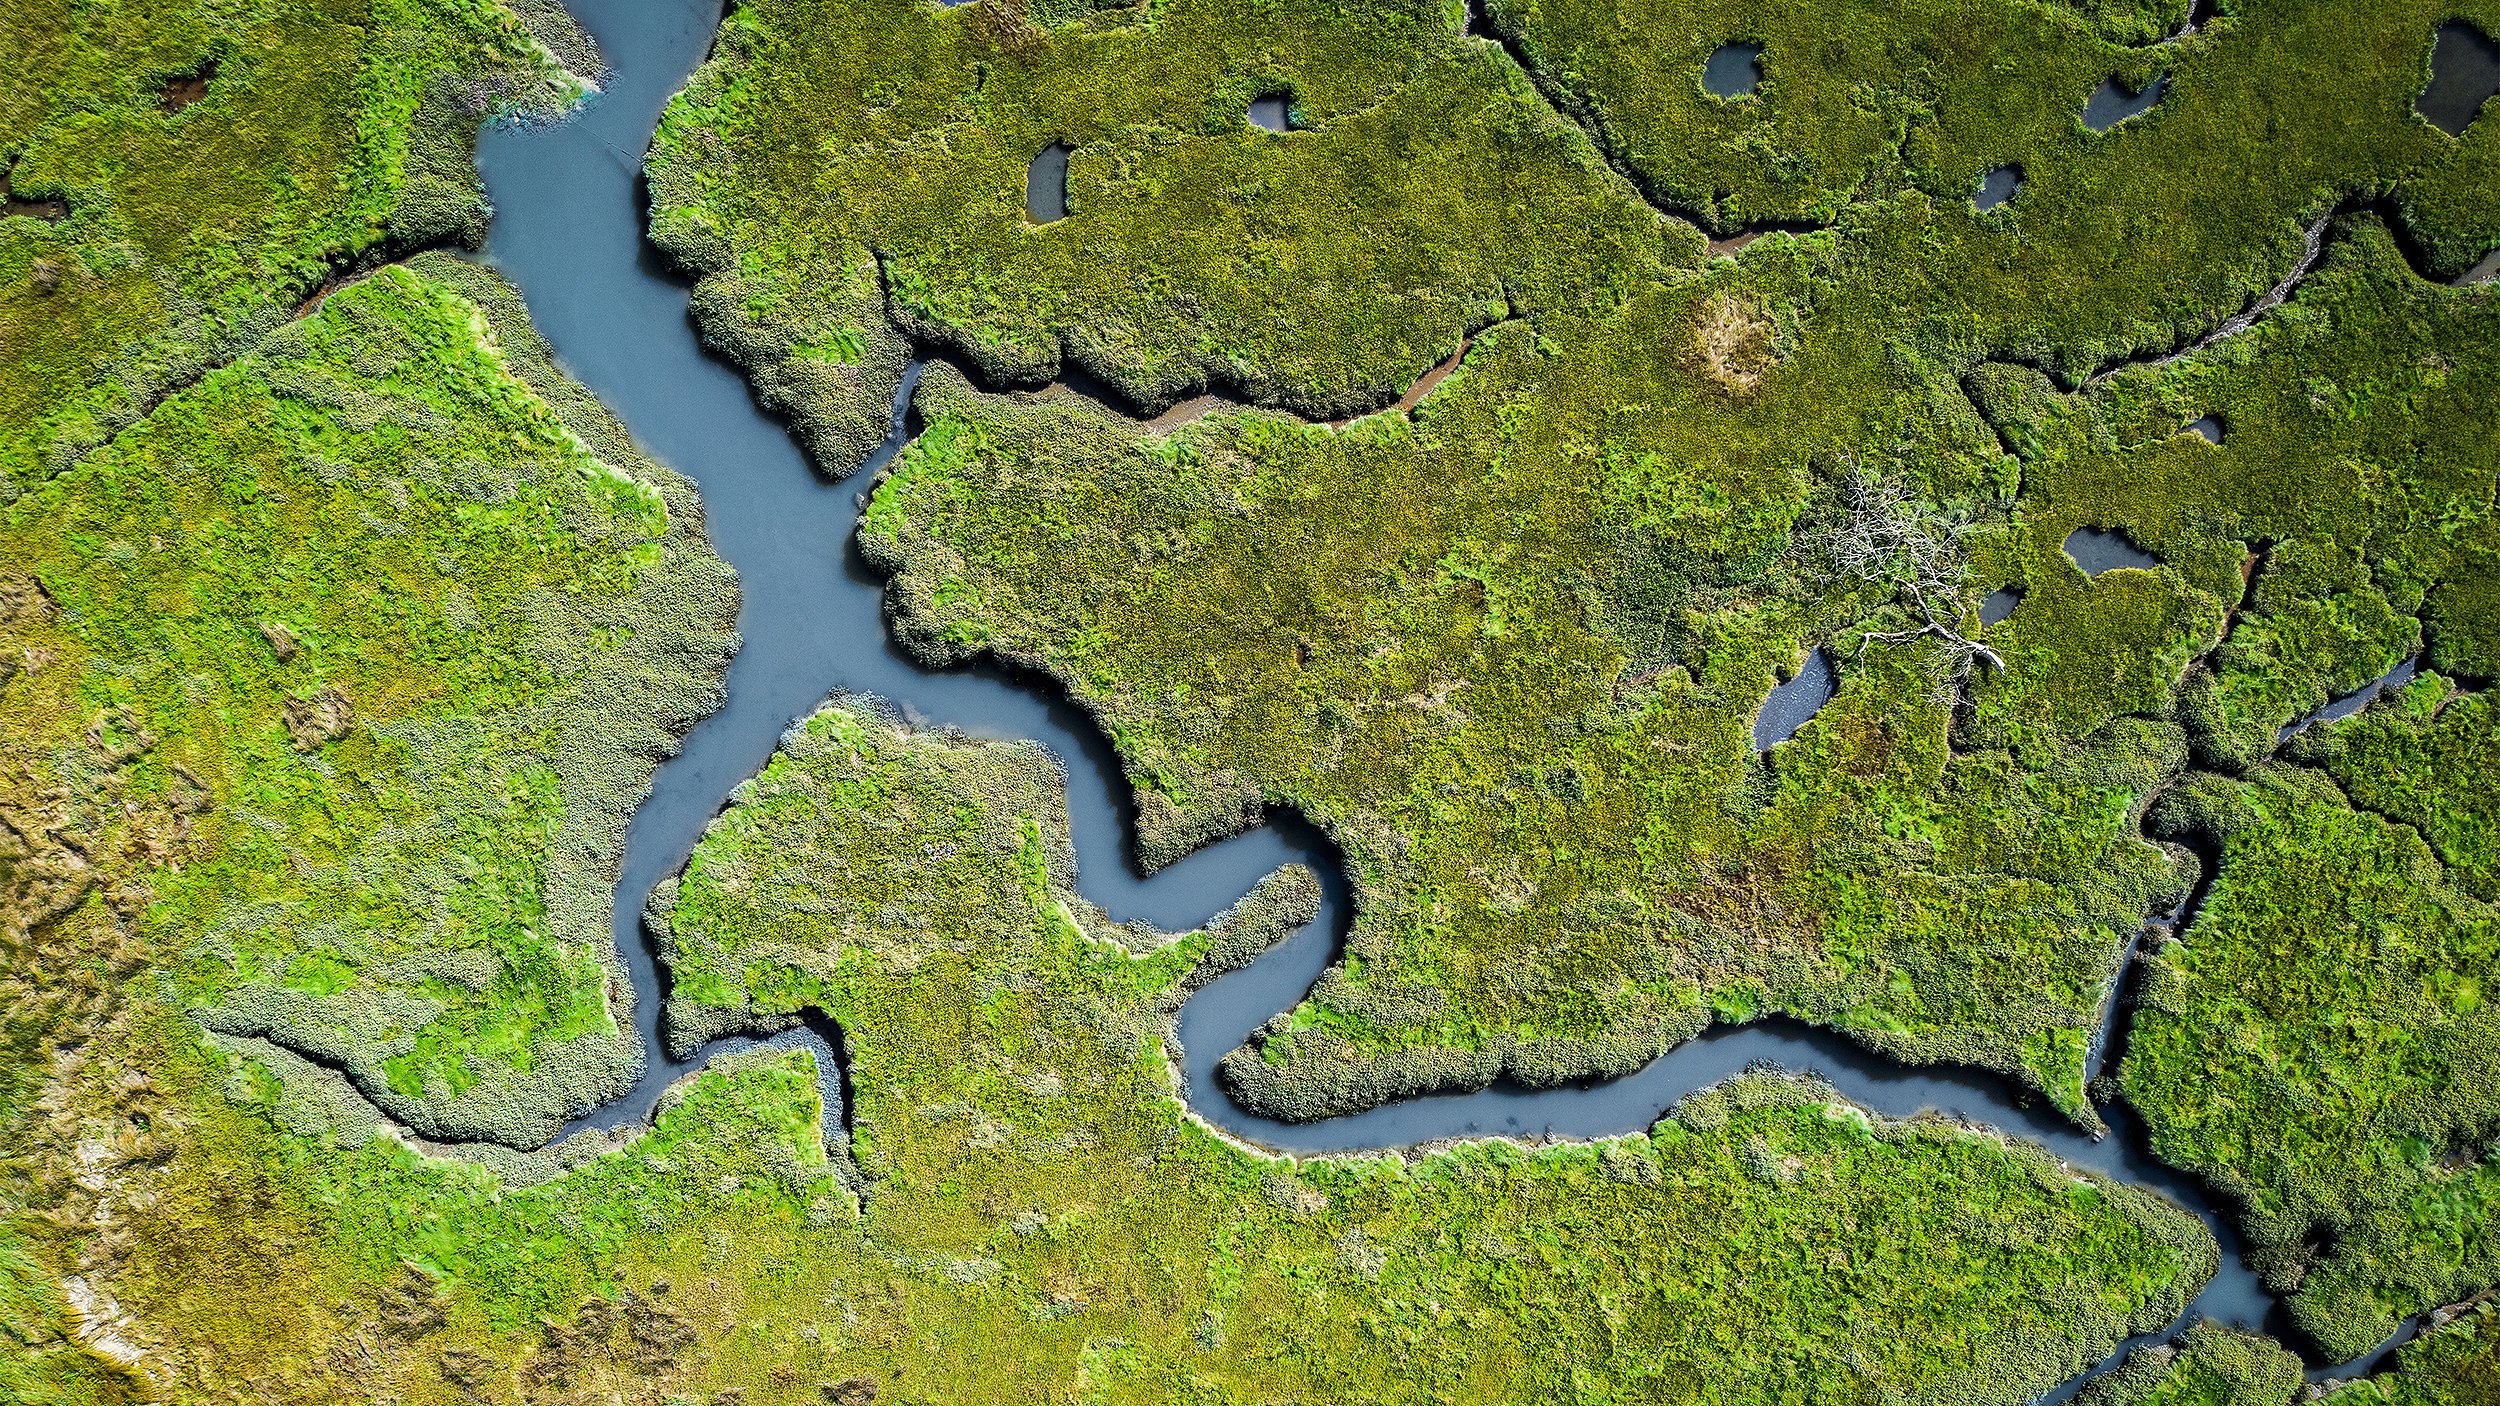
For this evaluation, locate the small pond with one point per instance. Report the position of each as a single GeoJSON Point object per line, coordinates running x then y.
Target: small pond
{"type": "Point", "coordinates": [2465, 73]}
{"type": "Point", "coordinates": [1793, 703]}
{"type": "Point", "coordinates": [2097, 550]}
{"type": "Point", "coordinates": [1998, 185]}
{"type": "Point", "coordinates": [1733, 70]}
{"type": "Point", "coordinates": [1271, 113]}
{"type": "Point", "coordinates": [2111, 103]}
{"type": "Point", "coordinates": [1046, 184]}
{"type": "Point", "coordinates": [1999, 604]}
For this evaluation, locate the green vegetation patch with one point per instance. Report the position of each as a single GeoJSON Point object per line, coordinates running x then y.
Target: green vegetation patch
{"type": "Point", "coordinates": [189, 172]}
{"type": "Point", "coordinates": [2455, 1363]}
{"type": "Point", "coordinates": [2210, 1365]}
{"type": "Point", "coordinates": [2318, 1043]}
{"type": "Point", "coordinates": [847, 175]}
{"type": "Point", "coordinates": [377, 651]}
{"type": "Point", "coordinates": [1018, 1204]}
{"type": "Point", "coordinates": [1505, 644]}
{"type": "Point", "coordinates": [1025, 1155]}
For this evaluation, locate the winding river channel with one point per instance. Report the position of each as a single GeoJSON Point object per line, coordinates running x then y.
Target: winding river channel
{"type": "Point", "coordinates": [569, 233]}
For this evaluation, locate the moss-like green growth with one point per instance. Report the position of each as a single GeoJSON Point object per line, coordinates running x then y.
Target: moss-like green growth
{"type": "Point", "coordinates": [1427, 193]}
{"type": "Point", "coordinates": [1015, 1108]}
{"type": "Point", "coordinates": [2318, 1043]}
{"type": "Point", "coordinates": [196, 216]}
{"type": "Point", "coordinates": [1504, 647]}
{"type": "Point", "coordinates": [2209, 1366]}
{"type": "Point", "coordinates": [2455, 1363]}
{"type": "Point", "coordinates": [1021, 1206]}
{"type": "Point", "coordinates": [379, 651]}
{"type": "Point", "coordinates": [2426, 757]}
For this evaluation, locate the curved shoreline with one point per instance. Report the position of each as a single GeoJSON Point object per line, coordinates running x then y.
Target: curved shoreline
{"type": "Point", "coordinates": [569, 235]}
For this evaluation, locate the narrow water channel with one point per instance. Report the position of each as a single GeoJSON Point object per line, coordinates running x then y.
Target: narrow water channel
{"type": "Point", "coordinates": [568, 232]}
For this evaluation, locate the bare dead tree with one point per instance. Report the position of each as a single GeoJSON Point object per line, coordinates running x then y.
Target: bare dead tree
{"type": "Point", "coordinates": [1888, 538]}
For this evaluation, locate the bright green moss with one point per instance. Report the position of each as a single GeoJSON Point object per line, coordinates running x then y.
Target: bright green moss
{"type": "Point", "coordinates": [328, 129]}
{"type": "Point", "coordinates": [1015, 1106]}
{"type": "Point", "coordinates": [2318, 1043]}
{"type": "Point", "coordinates": [2427, 759]}
{"type": "Point", "coordinates": [1041, 1216]}
{"type": "Point", "coordinates": [1504, 647]}
{"type": "Point", "coordinates": [404, 757]}
{"type": "Point", "coordinates": [2455, 1363]}
{"type": "Point", "coordinates": [1430, 194]}
{"type": "Point", "coordinates": [2210, 1366]}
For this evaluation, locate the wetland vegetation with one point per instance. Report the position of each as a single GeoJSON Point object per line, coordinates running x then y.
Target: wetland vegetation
{"type": "Point", "coordinates": [1608, 446]}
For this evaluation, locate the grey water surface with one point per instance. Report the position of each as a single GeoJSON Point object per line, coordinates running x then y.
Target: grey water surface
{"type": "Point", "coordinates": [1046, 184]}
{"type": "Point", "coordinates": [2465, 74]}
{"type": "Point", "coordinates": [568, 233]}
{"type": "Point", "coordinates": [2097, 550]}
{"type": "Point", "coordinates": [1793, 704]}
{"type": "Point", "coordinates": [1998, 185]}
{"type": "Point", "coordinates": [2359, 698]}
{"type": "Point", "coordinates": [2209, 428]}
{"type": "Point", "coordinates": [2111, 103]}
{"type": "Point", "coordinates": [1270, 113]}
{"type": "Point", "coordinates": [1733, 71]}
{"type": "Point", "coordinates": [1999, 604]}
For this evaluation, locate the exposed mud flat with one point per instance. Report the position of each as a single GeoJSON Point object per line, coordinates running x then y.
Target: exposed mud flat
{"type": "Point", "coordinates": [46, 208]}
{"type": "Point", "coordinates": [188, 88]}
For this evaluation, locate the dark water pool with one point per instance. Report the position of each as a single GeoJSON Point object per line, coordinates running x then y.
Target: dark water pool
{"type": "Point", "coordinates": [2465, 73]}
{"type": "Point", "coordinates": [1046, 184]}
{"type": "Point", "coordinates": [1793, 704]}
{"type": "Point", "coordinates": [1732, 71]}
{"type": "Point", "coordinates": [2097, 550]}
{"type": "Point", "coordinates": [568, 233]}
{"type": "Point", "coordinates": [1270, 113]}
{"type": "Point", "coordinates": [2112, 103]}
{"type": "Point", "coordinates": [1997, 186]}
